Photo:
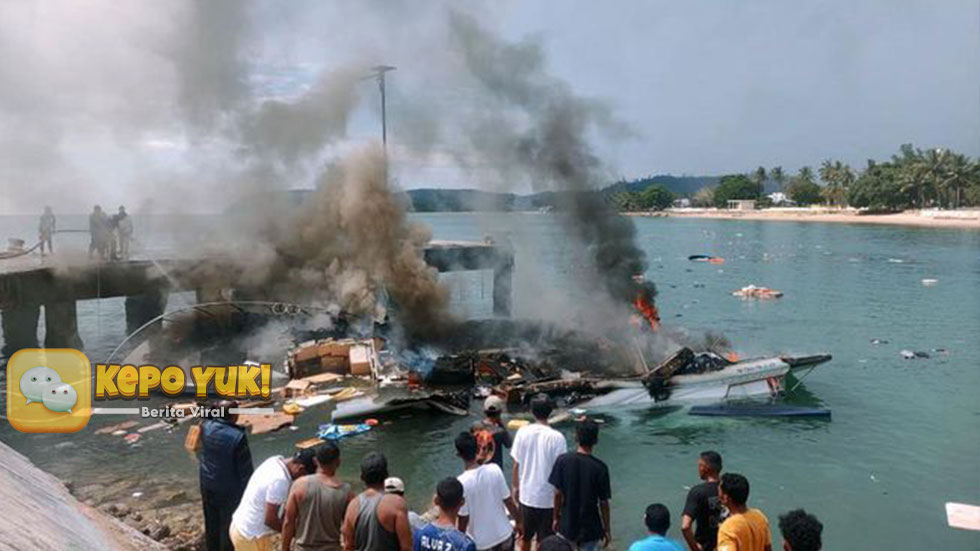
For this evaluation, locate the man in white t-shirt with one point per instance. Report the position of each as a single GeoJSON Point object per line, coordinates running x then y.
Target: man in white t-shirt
{"type": "Point", "coordinates": [257, 518]}
{"type": "Point", "coordinates": [536, 448]}
{"type": "Point", "coordinates": [486, 500]}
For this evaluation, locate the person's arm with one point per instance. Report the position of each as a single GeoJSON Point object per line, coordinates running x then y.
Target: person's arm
{"type": "Point", "coordinates": [289, 519]}
{"type": "Point", "coordinates": [768, 545]}
{"type": "Point", "coordinates": [516, 479]}
{"type": "Point", "coordinates": [556, 479]}
{"type": "Point", "coordinates": [275, 497]}
{"type": "Point", "coordinates": [605, 494]}
{"type": "Point", "coordinates": [402, 528]}
{"type": "Point", "coordinates": [606, 526]}
{"type": "Point", "coordinates": [347, 528]}
{"type": "Point", "coordinates": [272, 519]}
{"type": "Point", "coordinates": [559, 501]}
{"type": "Point", "coordinates": [515, 513]}
{"type": "Point", "coordinates": [688, 533]}
{"type": "Point", "coordinates": [692, 510]}
{"type": "Point", "coordinates": [462, 522]}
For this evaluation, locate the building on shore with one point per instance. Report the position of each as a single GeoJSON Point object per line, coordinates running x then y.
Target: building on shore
{"type": "Point", "coordinates": [741, 204]}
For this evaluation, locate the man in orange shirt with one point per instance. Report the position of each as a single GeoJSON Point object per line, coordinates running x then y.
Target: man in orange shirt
{"type": "Point", "coordinates": [745, 529]}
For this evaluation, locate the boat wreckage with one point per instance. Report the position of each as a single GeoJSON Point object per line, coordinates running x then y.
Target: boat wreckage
{"type": "Point", "coordinates": [363, 378]}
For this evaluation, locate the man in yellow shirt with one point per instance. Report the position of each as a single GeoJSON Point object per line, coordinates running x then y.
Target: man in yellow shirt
{"type": "Point", "coordinates": [745, 529]}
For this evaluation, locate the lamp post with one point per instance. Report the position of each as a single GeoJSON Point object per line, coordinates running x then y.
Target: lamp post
{"type": "Point", "coordinates": [378, 73]}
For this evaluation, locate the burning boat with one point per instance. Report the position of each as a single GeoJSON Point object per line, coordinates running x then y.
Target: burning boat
{"type": "Point", "coordinates": [575, 371]}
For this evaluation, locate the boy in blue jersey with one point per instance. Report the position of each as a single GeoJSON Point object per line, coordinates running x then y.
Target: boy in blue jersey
{"type": "Point", "coordinates": [441, 534]}
{"type": "Point", "coordinates": [657, 519]}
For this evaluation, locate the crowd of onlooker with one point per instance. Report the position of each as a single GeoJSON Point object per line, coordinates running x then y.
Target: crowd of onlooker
{"type": "Point", "coordinates": [557, 500]}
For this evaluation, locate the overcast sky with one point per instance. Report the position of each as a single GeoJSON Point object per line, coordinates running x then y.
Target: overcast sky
{"type": "Point", "coordinates": [89, 93]}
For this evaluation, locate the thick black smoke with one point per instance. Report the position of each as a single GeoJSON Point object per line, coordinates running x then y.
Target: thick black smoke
{"type": "Point", "coordinates": [537, 130]}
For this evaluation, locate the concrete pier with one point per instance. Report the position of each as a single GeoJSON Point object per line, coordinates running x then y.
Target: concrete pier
{"type": "Point", "coordinates": [61, 325]}
{"type": "Point", "coordinates": [450, 256]}
{"type": "Point", "coordinates": [142, 308]}
{"type": "Point", "coordinates": [25, 286]}
{"type": "Point", "coordinates": [19, 327]}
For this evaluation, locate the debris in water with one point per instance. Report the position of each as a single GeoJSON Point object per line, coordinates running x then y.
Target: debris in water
{"type": "Point", "coordinates": [928, 282]}
{"type": "Point", "coordinates": [112, 429]}
{"type": "Point", "coordinates": [331, 431]}
{"type": "Point", "coordinates": [751, 291]}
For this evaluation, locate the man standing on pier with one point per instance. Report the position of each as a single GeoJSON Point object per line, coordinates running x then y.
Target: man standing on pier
{"type": "Point", "coordinates": [225, 467]}
{"type": "Point", "coordinates": [46, 230]}
{"type": "Point", "coordinates": [703, 507]}
{"type": "Point", "coordinates": [535, 450]}
{"type": "Point", "coordinates": [98, 229]}
{"type": "Point", "coordinates": [124, 233]}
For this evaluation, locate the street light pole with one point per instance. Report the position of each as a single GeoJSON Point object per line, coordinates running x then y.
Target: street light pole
{"type": "Point", "coordinates": [379, 74]}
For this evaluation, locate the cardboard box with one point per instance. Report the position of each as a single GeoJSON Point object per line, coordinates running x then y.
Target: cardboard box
{"type": "Point", "coordinates": [360, 359]}
{"type": "Point", "coordinates": [305, 354]}
{"type": "Point", "coordinates": [297, 387]}
{"type": "Point", "coordinates": [334, 364]}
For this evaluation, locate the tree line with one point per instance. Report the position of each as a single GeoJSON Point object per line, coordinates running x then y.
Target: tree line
{"type": "Point", "coordinates": [911, 179]}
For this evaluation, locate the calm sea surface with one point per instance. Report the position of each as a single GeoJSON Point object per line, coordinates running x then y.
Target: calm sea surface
{"type": "Point", "coordinates": [905, 434]}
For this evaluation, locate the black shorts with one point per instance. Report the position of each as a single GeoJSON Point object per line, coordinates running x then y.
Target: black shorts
{"type": "Point", "coordinates": [537, 522]}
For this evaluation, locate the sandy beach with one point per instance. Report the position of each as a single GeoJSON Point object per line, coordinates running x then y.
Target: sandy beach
{"type": "Point", "coordinates": [963, 219]}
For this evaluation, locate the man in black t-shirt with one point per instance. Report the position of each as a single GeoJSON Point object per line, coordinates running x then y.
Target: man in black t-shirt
{"type": "Point", "coordinates": [583, 492]}
{"type": "Point", "coordinates": [703, 506]}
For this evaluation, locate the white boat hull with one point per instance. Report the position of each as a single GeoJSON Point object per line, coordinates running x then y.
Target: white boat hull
{"type": "Point", "coordinates": [741, 381]}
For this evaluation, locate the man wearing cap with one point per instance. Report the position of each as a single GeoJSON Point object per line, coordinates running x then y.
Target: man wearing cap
{"type": "Point", "coordinates": [257, 518]}
{"type": "Point", "coordinates": [491, 433]}
{"type": "Point", "coordinates": [395, 485]}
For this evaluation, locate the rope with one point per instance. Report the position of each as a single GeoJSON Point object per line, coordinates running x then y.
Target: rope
{"type": "Point", "coordinates": [11, 254]}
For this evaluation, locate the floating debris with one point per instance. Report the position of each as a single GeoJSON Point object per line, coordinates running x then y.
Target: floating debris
{"type": "Point", "coordinates": [332, 431]}
{"type": "Point", "coordinates": [112, 429]}
{"type": "Point", "coordinates": [751, 291]}
{"type": "Point", "coordinates": [928, 282]}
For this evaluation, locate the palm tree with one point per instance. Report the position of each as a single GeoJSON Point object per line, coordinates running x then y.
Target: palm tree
{"type": "Point", "coordinates": [776, 175]}
{"type": "Point", "coordinates": [828, 173]}
{"type": "Point", "coordinates": [845, 177]}
{"type": "Point", "coordinates": [805, 175]}
{"type": "Point", "coordinates": [932, 172]}
{"type": "Point", "coordinates": [958, 174]}
{"type": "Point", "coordinates": [760, 177]}
{"type": "Point", "coordinates": [838, 177]}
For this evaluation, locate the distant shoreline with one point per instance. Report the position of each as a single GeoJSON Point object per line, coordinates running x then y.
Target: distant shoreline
{"type": "Point", "coordinates": [967, 220]}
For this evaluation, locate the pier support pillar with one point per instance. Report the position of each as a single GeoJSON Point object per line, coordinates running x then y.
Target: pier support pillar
{"type": "Point", "coordinates": [61, 325]}
{"type": "Point", "coordinates": [19, 328]}
{"type": "Point", "coordinates": [503, 274]}
{"type": "Point", "coordinates": [140, 309]}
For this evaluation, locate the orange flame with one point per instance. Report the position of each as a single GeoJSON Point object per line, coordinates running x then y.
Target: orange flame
{"type": "Point", "coordinates": [648, 311]}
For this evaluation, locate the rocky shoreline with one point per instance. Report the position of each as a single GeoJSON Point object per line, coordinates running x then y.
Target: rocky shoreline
{"type": "Point", "coordinates": [163, 509]}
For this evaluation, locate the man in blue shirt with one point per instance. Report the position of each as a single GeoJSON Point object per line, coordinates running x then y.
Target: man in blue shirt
{"type": "Point", "coordinates": [658, 522]}
{"type": "Point", "coordinates": [441, 534]}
